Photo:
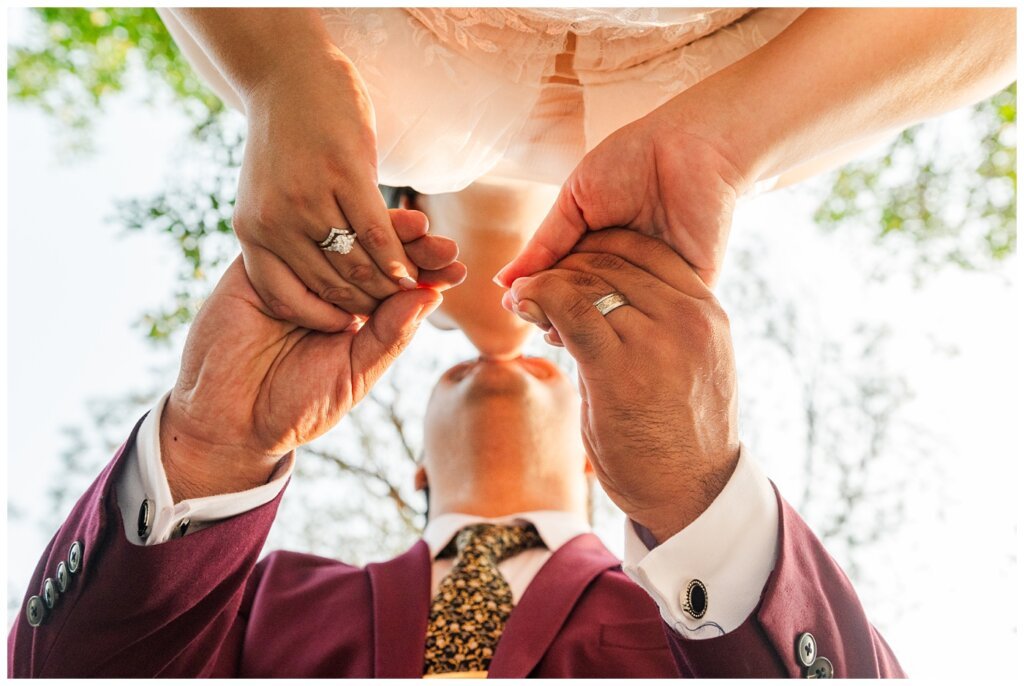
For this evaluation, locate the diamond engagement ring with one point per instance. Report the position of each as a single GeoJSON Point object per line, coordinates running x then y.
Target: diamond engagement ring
{"type": "Point", "coordinates": [339, 240]}
{"type": "Point", "coordinates": [610, 302]}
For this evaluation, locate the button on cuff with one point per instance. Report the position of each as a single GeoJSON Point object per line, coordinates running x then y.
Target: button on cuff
{"type": "Point", "coordinates": [35, 611]}
{"type": "Point", "coordinates": [75, 557]}
{"type": "Point", "coordinates": [49, 593]}
{"type": "Point", "coordinates": [806, 649]}
{"type": "Point", "coordinates": [62, 576]}
{"type": "Point", "coordinates": [820, 669]}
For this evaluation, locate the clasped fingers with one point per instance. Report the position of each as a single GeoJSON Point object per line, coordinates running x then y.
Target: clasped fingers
{"type": "Point", "coordinates": [563, 300]}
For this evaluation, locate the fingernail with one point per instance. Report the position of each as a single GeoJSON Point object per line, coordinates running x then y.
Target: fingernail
{"type": "Point", "coordinates": [525, 316]}
{"type": "Point", "coordinates": [554, 339]}
{"type": "Point", "coordinates": [530, 311]}
{"type": "Point", "coordinates": [499, 278]}
{"type": "Point", "coordinates": [408, 283]}
{"type": "Point", "coordinates": [506, 302]}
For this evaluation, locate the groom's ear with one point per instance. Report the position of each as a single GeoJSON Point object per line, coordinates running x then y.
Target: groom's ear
{"type": "Point", "coordinates": [420, 482]}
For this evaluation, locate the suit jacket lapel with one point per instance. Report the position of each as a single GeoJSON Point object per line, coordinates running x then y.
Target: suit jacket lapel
{"type": "Point", "coordinates": [546, 604]}
{"type": "Point", "coordinates": [401, 604]}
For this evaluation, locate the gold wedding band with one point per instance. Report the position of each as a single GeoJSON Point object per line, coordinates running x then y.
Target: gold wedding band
{"type": "Point", "coordinates": [610, 302]}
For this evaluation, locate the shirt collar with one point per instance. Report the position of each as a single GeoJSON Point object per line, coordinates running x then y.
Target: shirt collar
{"type": "Point", "coordinates": [555, 527]}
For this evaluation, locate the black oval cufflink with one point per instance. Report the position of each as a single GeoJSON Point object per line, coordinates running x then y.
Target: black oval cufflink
{"type": "Point", "coordinates": [145, 519]}
{"type": "Point", "coordinates": [694, 599]}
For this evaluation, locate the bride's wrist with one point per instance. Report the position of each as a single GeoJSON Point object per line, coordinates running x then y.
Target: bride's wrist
{"type": "Point", "coordinates": [319, 64]}
{"type": "Point", "coordinates": [697, 114]}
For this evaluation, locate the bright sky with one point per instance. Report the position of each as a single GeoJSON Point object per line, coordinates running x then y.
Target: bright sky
{"type": "Point", "coordinates": [77, 285]}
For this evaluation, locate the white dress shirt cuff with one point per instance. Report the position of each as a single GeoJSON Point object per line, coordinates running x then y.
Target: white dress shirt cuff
{"type": "Point", "coordinates": [730, 548]}
{"type": "Point", "coordinates": [143, 478]}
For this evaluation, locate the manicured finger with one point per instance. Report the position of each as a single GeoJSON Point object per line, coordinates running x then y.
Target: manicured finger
{"type": "Point", "coordinates": [351, 282]}
{"type": "Point", "coordinates": [386, 334]}
{"type": "Point", "coordinates": [409, 224]}
{"type": "Point", "coordinates": [432, 252]}
{"type": "Point", "coordinates": [355, 267]}
{"type": "Point", "coordinates": [587, 335]}
{"type": "Point", "coordinates": [650, 254]}
{"type": "Point", "coordinates": [368, 215]}
{"type": "Point", "coordinates": [358, 269]}
{"type": "Point", "coordinates": [286, 296]}
{"type": "Point", "coordinates": [311, 265]}
{"type": "Point", "coordinates": [554, 238]}
{"type": "Point", "coordinates": [444, 278]}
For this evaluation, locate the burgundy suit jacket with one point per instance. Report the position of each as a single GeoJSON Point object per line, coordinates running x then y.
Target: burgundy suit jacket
{"type": "Point", "coordinates": [202, 605]}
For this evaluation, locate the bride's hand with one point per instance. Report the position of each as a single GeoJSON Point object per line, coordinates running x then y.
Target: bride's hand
{"type": "Point", "coordinates": [649, 176]}
{"type": "Point", "coordinates": [311, 164]}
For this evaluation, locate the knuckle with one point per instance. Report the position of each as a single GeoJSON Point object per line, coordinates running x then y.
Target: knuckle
{"type": "Point", "coordinates": [539, 285]}
{"type": "Point", "coordinates": [361, 272]}
{"type": "Point", "coordinates": [245, 223]}
{"type": "Point", "coordinates": [594, 344]}
{"type": "Point", "coordinates": [336, 165]}
{"type": "Point", "coordinates": [589, 282]}
{"type": "Point", "coordinates": [578, 309]}
{"type": "Point", "coordinates": [375, 237]}
{"type": "Point", "coordinates": [702, 321]}
{"type": "Point", "coordinates": [263, 216]}
{"type": "Point", "coordinates": [337, 294]}
{"type": "Point", "coordinates": [279, 308]}
{"type": "Point", "coordinates": [720, 315]}
{"type": "Point", "coordinates": [606, 261]}
{"type": "Point", "coordinates": [296, 197]}
{"type": "Point", "coordinates": [275, 304]}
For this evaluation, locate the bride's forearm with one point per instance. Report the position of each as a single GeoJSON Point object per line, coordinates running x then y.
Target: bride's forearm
{"type": "Point", "coordinates": [249, 44]}
{"type": "Point", "coordinates": [836, 76]}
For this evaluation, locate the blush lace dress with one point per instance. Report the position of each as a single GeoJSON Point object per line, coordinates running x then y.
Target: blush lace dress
{"type": "Point", "coordinates": [460, 93]}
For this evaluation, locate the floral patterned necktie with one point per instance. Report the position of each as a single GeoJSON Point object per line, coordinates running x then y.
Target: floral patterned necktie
{"type": "Point", "coordinates": [474, 601]}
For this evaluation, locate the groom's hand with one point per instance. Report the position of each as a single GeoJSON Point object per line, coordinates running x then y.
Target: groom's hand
{"type": "Point", "coordinates": [252, 388]}
{"type": "Point", "coordinates": [657, 376]}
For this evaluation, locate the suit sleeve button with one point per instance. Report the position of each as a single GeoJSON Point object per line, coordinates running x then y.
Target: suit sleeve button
{"type": "Point", "coordinates": [49, 593]}
{"type": "Point", "coordinates": [62, 577]}
{"type": "Point", "coordinates": [820, 669]}
{"type": "Point", "coordinates": [35, 611]}
{"type": "Point", "coordinates": [75, 557]}
{"type": "Point", "coordinates": [806, 649]}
